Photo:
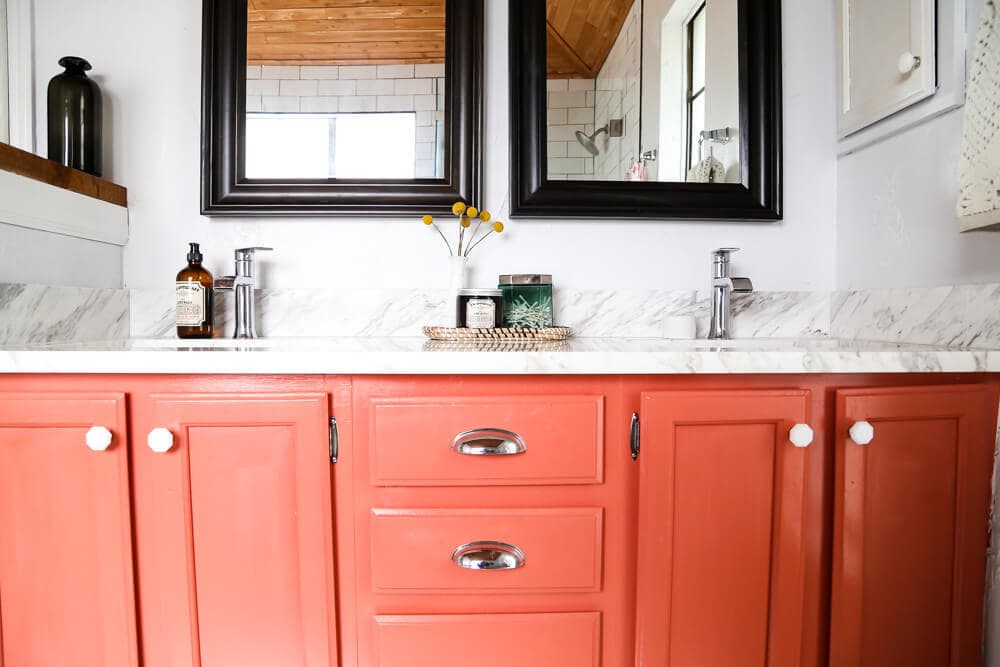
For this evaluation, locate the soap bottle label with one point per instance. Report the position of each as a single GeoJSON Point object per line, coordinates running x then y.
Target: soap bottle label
{"type": "Point", "coordinates": [190, 304]}
{"type": "Point", "coordinates": [480, 314]}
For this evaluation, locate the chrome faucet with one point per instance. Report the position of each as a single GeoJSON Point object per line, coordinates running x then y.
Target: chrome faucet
{"type": "Point", "coordinates": [722, 286]}
{"type": "Point", "coordinates": [242, 285]}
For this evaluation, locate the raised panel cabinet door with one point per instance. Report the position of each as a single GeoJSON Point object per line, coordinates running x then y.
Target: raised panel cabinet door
{"type": "Point", "coordinates": [67, 594]}
{"type": "Point", "coordinates": [888, 58]}
{"type": "Point", "coordinates": [234, 530]}
{"type": "Point", "coordinates": [722, 521]}
{"type": "Point", "coordinates": [910, 526]}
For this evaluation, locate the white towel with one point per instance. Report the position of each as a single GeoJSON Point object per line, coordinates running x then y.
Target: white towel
{"type": "Point", "coordinates": [979, 179]}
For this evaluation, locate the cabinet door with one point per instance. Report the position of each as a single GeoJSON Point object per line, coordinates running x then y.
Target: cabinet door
{"type": "Point", "coordinates": [66, 585]}
{"type": "Point", "coordinates": [234, 530]}
{"type": "Point", "coordinates": [721, 528]}
{"type": "Point", "coordinates": [910, 527]}
{"type": "Point", "coordinates": [887, 56]}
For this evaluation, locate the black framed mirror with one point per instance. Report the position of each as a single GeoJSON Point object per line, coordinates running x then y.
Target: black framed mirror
{"type": "Point", "coordinates": [354, 109]}
{"type": "Point", "coordinates": [657, 109]}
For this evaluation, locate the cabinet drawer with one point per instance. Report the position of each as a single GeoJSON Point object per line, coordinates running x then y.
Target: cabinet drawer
{"type": "Point", "coordinates": [489, 640]}
{"type": "Point", "coordinates": [539, 550]}
{"type": "Point", "coordinates": [491, 441]}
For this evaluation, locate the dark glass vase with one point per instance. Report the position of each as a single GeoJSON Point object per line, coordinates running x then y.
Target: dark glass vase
{"type": "Point", "coordinates": [75, 117]}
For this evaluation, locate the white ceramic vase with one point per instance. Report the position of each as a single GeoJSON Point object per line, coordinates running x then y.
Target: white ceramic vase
{"type": "Point", "coordinates": [458, 272]}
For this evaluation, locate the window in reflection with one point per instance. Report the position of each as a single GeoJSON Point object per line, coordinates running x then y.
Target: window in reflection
{"type": "Point", "coordinates": [695, 84]}
{"type": "Point", "coordinates": [319, 146]}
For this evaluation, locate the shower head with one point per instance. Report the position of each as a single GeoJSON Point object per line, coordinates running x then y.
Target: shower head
{"type": "Point", "coordinates": [587, 141]}
{"type": "Point", "coordinates": [612, 129]}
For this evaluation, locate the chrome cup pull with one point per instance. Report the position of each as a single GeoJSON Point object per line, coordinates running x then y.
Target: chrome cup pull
{"type": "Point", "coordinates": [488, 556]}
{"type": "Point", "coordinates": [489, 442]}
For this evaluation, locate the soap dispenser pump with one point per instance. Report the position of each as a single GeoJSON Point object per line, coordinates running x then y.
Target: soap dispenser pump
{"type": "Point", "coordinates": [194, 298]}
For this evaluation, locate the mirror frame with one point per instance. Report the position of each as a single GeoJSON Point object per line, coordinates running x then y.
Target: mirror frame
{"type": "Point", "coordinates": [758, 197]}
{"type": "Point", "coordinates": [225, 191]}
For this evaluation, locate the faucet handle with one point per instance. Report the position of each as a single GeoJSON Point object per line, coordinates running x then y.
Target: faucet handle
{"type": "Point", "coordinates": [248, 253]}
{"type": "Point", "coordinates": [724, 252]}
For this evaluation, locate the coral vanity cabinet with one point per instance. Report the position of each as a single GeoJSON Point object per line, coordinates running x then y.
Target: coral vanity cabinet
{"type": "Point", "coordinates": [758, 520]}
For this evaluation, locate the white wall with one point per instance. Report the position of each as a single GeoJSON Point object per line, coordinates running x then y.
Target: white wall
{"type": "Point", "coordinates": [896, 210]}
{"type": "Point", "coordinates": [147, 58]}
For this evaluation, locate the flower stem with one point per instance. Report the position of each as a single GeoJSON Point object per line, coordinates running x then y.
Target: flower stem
{"type": "Point", "coordinates": [473, 237]}
{"type": "Point", "coordinates": [438, 230]}
{"type": "Point", "coordinates": [472, 246]}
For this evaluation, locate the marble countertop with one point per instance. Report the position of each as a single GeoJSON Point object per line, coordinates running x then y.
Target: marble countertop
{"type": "Point", "coordinates": [397, 355]}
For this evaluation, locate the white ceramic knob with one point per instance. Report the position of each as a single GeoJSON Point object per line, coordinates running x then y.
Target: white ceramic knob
{"type": "Point", "coordinates": [801, 435]}
{"type": "Point", "coordinates": [862, 433]}
{"type": "Point", "coordinates": [907, 63]}
{"type": "Point", "coordinates": [98, 438]}
{"type": "Point", "coordinates": [160, 440]}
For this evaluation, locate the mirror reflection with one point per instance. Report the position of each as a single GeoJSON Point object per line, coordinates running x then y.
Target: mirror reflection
{"type": "Point", "coordinates": [643, 90]}
{"type": "Point", "coordinates": [345, 90]}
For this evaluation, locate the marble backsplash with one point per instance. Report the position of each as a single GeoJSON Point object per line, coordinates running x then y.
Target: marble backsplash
{"type": "Point", "coordinates": [591, 313]}
{"type": "Point", "coordinates": [48, 314]}
{"type": "Point", "coordinates": [955, 316]}
{"type": "Point", "coordinates": [958, 316]}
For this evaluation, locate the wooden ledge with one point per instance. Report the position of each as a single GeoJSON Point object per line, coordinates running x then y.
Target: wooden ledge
{"type": "Point", "coordinates": [37, 168]}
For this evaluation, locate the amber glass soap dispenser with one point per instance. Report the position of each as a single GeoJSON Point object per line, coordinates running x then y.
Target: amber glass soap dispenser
{"type": "Point", "coordinates": [194, 298]}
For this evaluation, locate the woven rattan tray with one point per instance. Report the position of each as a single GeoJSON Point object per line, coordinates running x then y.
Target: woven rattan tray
{"type": "Point", "coordinates": [451, 333]}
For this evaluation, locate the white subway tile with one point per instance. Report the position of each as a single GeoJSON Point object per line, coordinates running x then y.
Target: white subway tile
{"type": "Point", "coordinates": [321, 104]}
{"type": "Point", "coordinates": [258, 87]}
{"type": "Point", "coordinates": [556, 117]}
{"type": "Point", "coordinates": [581, 84]}
{"type": "Point", "coordinates": [375, 87]}
{"type": "Point", "coordinates": [575, 149]}
{"type": "Point", "coordinates": [425, 133]}
{"type": "Point", "coordinates": [396, 103]}
{"type": "Point", "coordinates": [569, 100]}
{"type": "Point", "coordinates": [557, 148]}
{"type": "Point", "coordinates": [425, 118]}
{"type": "Point", "coordinates": [280, 104]}
{"type": "Point", "coordinates": [425, 151]}
{"type": "Point", "coordinates": [253, 72]}
{"type": "Point", "coordinates": [320, 72]}
{"type": "Point", "coordinates": [254, 103]}
{"type": "Point", "coordinates": [582, 115]}
{"type": "Point", "coordinates": [425, 102]}
{"type": "Point", "coordinates": [357, 104]}
{"type": "Point", "coordinates": [357, 71]}
{"type": "Point", "coordinates": [424, 169]}
{"type": "Point", "coordinates": [564, 132]}
{"type": "Point", "coordinates": [299, 88]}
{"type": "Point", "coordinates": [279, 72]}
{"type": "Point", "coordinates": [429, 71]}
{"type": "Point", "coordinates": [557, 85]}
{"type": "Point", "coordinates": [566, 165]}
{"type": "Point", "coordinates": [340, 88]}
{"type": "Point", "coordinates": [394, 72]}
{"type": "Point", "coordinates": [414, 86]}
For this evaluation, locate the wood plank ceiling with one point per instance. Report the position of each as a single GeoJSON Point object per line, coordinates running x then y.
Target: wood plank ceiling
{"type": "Point", "coordinates": [345, 32]}
{"type": "Point", "coordinates": [366, 32]}
{"type": "Point", "coordinates": [581, 34]}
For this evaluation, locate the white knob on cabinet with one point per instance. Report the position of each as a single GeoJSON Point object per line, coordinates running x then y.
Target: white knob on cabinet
{"type": "Point", "coordinates": [98, 438]}
{"type": "Point", "coordinates": [862, 433]}
{"type": "Point", "coordinates": [160, 440]}
{"type": "Point", "coordinates": [908, 62]}
{"type": "Point", "coordinates": [801, 435]}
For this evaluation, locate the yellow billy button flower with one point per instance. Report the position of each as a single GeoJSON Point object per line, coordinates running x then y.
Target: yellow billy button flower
{"type": "Point", "coordinates": [466, 222]}
{"type": "Point", "coordinates": [485, 216]}
{"type": "Point", "coordinates": [458, 208]}
{"type": "Point", "coordinates": [472, 212]}
{"type": "Point", "coordinates": [428, 220]}
{"type": "Point", "coordinates": [498, 227]}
